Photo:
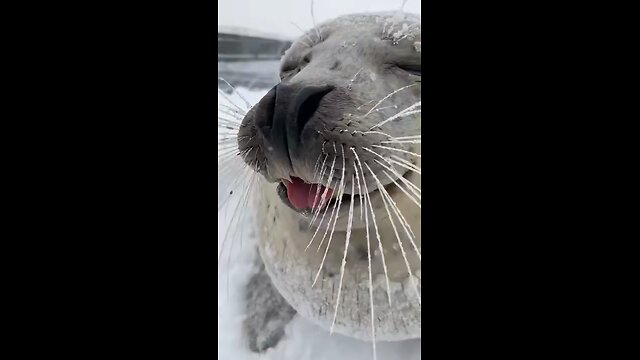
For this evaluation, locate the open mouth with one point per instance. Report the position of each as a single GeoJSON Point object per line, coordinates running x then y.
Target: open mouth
{"type": "Point", "coordinates": [304, 197]}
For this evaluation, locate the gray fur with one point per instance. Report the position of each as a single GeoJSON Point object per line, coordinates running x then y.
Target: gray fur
{"type": "Point", "coordinates": [359, 56]}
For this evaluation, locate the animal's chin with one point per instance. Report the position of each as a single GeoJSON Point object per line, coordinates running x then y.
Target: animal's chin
{"type": "Point", "coordinates": [306, 198]}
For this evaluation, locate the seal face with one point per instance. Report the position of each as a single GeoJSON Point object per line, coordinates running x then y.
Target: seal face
{"type": "Point", "coordinates": [340, 135]}
{"type": "Point", "coordinates": [323, 107]}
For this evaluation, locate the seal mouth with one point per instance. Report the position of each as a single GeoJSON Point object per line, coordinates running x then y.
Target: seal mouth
{"type": "Point", "coordinates": [305, 198]}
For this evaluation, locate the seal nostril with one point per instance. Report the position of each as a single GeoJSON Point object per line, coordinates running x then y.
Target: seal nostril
{"type": "Point", "coordinates": [264, 111]}
{"type": "Point", "coordinates": [309, 106]}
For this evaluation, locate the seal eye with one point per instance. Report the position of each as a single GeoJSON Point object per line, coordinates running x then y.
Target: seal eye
{"type": "Point", "coordinates": [287, 71]}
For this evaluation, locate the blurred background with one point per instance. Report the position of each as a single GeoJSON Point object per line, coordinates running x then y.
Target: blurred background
{"type": "Point", "coordinates": [253, 34]}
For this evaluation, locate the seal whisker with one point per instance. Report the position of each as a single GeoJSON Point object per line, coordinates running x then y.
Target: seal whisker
{"type": "Point", "coordinates": [375, 224]}
{"type": "Point", "coordinates": [360, 194]}
{"type": "Point", "coordinates": [315, 171]}
{"type": "Point", "coordinates": [313, 18]}
{"type": "Point", "coordinates": [338, 203]}
{"type": "Point", "coordinates": [303, 33]}
{"type": "Point", "coordinates": [353, 79]}
{"type": "Point", "coordinates": [226, 155]}
{"type": "Point", "coordinates": [408, 163]}
{"type": "Point", "coordinates": [344, 257]}
{"type": "Point", "coordinates": [234, 218]}
{"type": "Point", "coordinates": [228, 151]}
{"type": "Point", "coordinates": [396, 149]}
{"type": "Point", "coordinates": [365, 104]}
{"type": "Point", "coordinates": [223, 145]}
{"type": "Point", "coordinates": [405, 164]}
{"type": "Point", "coordinates": [401, 218]}
{"type": "Point", "coordinates": [315, 198]}
{"type": "Point", "coordinates": [228, 144]}
{"type": "Point", "coordinates": [235, 120]}
{"type": "Point", "coordinates": [229, 167]}
{"type": "Point", "coordinates": [233, 186]}
{"type": "Point", "coordinates": [376, 132]}
{"type": "Point", "coordinates": [401, 142]}
{"type": "Point", "coordinates": [235, 110]}
{"type": "Point", "coordinates": [412, 168]}
{"type": "Point", "coordinates": [320, 225]}
{"type": "Point", "coordinates": [324, 193]}
{"type": "Point", "coordinates": [366, 221]}
{"type": "Point", "coordinates": [412, 187]}
{"type": "Point", "coordinates": [404, 2]}
{"type": "Point", "coordinates": [417, 202]}
{"type": "Point", "coordinates": [226, 135]}
{"type": "Point", "coordinates": [225, 124]}
{"type": "Point", "coordinates": [388, 96]}
{"type": "Point", "coordinates": [231, 102]}
{"type": "Point", "coordinates": [227, 158]}
{"type": "Point", "coordinates": [404, 113]}
{"type": "Point", "coordinates": [234, 114]}
{"type": "Point", "coordinates": [243, 205]}
{"type": "Point", "coordinates": [407, 137]}
{"type": "Point", "coordinates": [387, 107]}
{"type": "Point", "coordinates": [233, 149]}
{"type": "Point", "coordinates": [227, 130]}
{"type": "Point", "coordinates": [232, 109]}
{"type": "Point", "coordinates": [247, 103]}
{"type": "Point", "coordinates": [395, 230]}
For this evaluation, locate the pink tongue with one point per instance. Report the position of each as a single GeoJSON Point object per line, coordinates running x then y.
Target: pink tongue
{"type": "Point", "coordinates": [302, 195]}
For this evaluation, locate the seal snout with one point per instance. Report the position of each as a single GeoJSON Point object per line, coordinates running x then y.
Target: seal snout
{"type": "Point", "coordinates": [283, 114]}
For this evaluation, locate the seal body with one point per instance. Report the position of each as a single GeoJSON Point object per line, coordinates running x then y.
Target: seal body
{"type": "Point", "coordinates": [284, 236]}
{"type": "Point", "coordinates": [344, 117]}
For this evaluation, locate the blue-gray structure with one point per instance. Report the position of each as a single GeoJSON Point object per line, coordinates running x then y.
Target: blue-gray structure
{"type": "Point", "coordinates": [249, 61]}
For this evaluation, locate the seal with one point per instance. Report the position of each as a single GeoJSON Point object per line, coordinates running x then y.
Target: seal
{"type": "Point", "coordinates": [338, 143]}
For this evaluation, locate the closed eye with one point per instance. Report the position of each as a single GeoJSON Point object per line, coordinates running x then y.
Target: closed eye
{"type": "Point", "coordinates": [412, 69]}
{"type": "Point", "coordinates": [288, 73]}
{"type": "Point", "coordinates": [288, 68]}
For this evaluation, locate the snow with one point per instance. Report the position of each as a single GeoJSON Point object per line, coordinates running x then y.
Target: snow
{"type": "Point", "coordinates": [303, 340]}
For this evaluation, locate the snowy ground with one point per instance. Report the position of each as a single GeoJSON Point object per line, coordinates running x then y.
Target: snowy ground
{"type": "Point", "coordinates": [253, 74]}
{"type": "Point", "coordinates": [303, 340]}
